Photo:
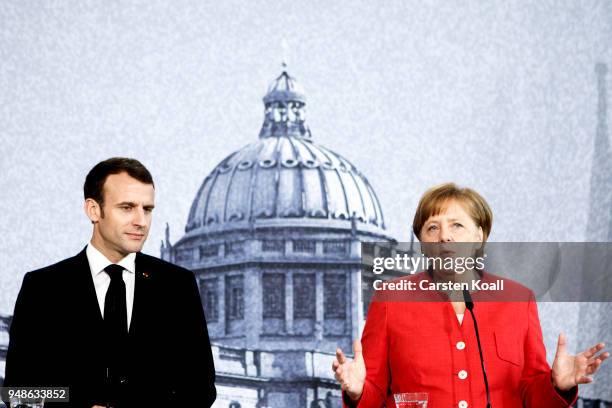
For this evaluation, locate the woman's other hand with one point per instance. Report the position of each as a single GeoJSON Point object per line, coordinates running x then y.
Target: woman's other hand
{"type": "Point", "coordinates": [350, 374]}
{"type": "Point", "coordinates": [569, 371]}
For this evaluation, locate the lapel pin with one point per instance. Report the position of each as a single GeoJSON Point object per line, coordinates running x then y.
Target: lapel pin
{"type": "Point", "coordinates": [145, 274]}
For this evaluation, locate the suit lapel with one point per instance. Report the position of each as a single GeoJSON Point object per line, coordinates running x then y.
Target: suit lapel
{"type": "Point", "coordinates": [87, 301]}
{"type": "Point", "coordinates": [142, 293]}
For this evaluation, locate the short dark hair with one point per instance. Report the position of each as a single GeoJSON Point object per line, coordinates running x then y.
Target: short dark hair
{"type": "Point", "coordinates": [94, 182]}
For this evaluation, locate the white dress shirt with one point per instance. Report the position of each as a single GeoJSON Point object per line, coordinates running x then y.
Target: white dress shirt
{"type": "Point", "coordinates": [101, 279]}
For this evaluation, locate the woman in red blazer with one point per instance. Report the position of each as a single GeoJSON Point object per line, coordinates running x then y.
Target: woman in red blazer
{"type": "Point", "coordinates": [428, 347]}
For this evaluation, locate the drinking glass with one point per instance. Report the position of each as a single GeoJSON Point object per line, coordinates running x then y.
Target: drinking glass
{"type": "Point", "coordinates": [411, 400]}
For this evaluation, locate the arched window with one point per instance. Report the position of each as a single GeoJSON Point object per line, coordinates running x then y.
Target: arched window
{"type": "Point", "coordinates": [273, 295]}
{"type": "Point", "coordinates": [334, 288]}
{"type": "Point", "coordinates": [304, 295]}
{"type": "Point", "coordinates": [234, 297]}
{"type": "Point", "coordinates": [210, 298]}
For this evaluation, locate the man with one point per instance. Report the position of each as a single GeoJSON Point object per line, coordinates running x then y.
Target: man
{"type": "Point", "coordinates": [118, 327]}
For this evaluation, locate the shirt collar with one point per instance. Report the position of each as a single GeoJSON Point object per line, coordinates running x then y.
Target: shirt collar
{"type": "Point", "coordinates": [97, 261]}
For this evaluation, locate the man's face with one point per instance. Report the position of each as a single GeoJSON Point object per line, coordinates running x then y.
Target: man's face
{"type": "Point", "coordinates": [122, 225]}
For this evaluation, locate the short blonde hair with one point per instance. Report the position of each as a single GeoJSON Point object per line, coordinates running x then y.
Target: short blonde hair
{"type": "Point", "coordinates": [436, 199]}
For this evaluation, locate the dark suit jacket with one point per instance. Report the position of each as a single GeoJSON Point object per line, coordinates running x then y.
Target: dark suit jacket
{"type": "Point", "coordinates": [57, 337]}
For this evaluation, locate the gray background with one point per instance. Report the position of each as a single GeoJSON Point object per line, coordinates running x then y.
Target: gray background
{"type": "Point", "coordinates": [497, 96]}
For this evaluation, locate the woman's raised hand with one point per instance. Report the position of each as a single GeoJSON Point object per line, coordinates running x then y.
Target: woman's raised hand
{"type": "Point", "coordinates": [569, 370]}
{"type": "Point", "coordinates": [350, 374]}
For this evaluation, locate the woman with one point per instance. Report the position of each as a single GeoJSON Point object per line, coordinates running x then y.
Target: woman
{"type": "Point", "coordinates": [428, 346]}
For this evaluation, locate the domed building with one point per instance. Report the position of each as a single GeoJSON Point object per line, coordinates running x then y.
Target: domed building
{"type": "Point", "coordinates": [274, 237]}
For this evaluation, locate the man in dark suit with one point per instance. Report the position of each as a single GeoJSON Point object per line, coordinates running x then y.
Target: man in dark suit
{"type": "Point", "coordinates": [118, 327]}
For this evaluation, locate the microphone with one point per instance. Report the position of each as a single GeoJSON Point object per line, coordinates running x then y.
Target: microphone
{"type": "Point", "coordinates": [469, 305]}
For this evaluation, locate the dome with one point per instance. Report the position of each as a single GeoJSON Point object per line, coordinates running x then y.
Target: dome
{"type": "Point", "coordinates": [284, 175]}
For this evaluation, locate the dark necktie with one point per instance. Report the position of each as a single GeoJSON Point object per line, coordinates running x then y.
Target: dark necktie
{"type": "Point", "coordinates": [115, 324]}
{"type": "Point", "coordinates": [115, 309]}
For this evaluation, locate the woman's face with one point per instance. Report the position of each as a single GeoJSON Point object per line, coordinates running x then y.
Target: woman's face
{"type": "Point", "coordinates": [453, 224]}
{"type": "Point", "coordinates": [451, 234]}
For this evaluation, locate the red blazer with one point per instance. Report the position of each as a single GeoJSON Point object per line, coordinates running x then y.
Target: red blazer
{"type": "Point", "coordinates": [421, 347]}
